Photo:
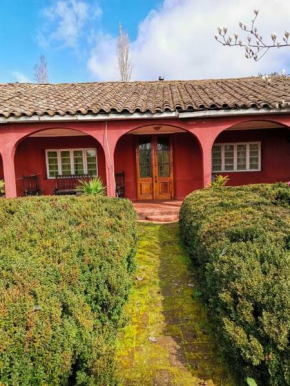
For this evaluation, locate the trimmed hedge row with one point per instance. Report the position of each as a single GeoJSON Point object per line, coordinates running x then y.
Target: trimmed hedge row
{"type": "Point", "coordinates": [65, 267]}
{"type": "Point", "coordinates": [239, 239]}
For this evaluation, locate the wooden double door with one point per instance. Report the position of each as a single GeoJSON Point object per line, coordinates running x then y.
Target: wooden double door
{"type": "Point", "coordinates": [154, 158]}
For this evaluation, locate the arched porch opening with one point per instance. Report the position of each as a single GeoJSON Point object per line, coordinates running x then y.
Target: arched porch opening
{"type": "Point", "coordinates": [159, 162]}
{"type": "Point", "coordinates": [255, 151]}
{"type": "Point", "coordinates": [52, 151]}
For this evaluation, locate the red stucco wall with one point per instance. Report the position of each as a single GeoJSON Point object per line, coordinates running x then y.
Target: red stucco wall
{"type": "Point", "coordinates": [187, 163]}
{"type": "Point", "coordinates": [125, 161]}
{"type": "Point", "coordinates": [187, 160]}
{"type": "Point", "coordinates": [189, 173]}
{"type": "Point", "coordinates": [1, 169]}
{"type": "Point", "coordinates": [30, 158]}
{"type": "Point", "coordinates": [275, 155]}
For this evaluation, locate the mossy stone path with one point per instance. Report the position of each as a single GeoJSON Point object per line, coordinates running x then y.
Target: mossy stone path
{"type": "Point", "coordinates": [168, 339]}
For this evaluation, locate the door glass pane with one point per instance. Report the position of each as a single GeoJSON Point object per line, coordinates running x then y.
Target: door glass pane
{"type": "Point", "coordinates": [78, 162]}
{"type": "Point", "coordinates": [216, 158]}
{"type": "Point", "coordinates": [163, 156]}
{"type": "Point", "coordinates": [229, 157]}
{"type": "Point", "coordinates": [145, 149]}
{"type": "Point", "coordinates": [241, 157]}
{"type": "Point", "coordinates": [52, 163]}
{"type": "Point", "coordinates": [92, 162]}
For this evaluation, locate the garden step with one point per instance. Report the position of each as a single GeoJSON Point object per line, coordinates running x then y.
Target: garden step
{"type": "Point", "coordinates": [158, 211]}
{"type": "Point", "coordinates": [144, 214]}
{"type": "Point", "coordinates": [162, 217]}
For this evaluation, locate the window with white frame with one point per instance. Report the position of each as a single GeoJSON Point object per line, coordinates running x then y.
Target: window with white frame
{"type": "Point", "coordinates": [71, 161]}
{"type": "Point", "coordinates": [236, 157]}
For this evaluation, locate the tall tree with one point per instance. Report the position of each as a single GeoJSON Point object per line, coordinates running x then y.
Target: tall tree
{"type": "Point", "coordinates": [255, 46]}
{"type": "Point", "coordinates": [124, 56]}
{"type": "Point", "coordinates": [41, 71]}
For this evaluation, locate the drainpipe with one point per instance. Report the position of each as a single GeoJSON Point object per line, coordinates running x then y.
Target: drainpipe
{"type": "Point", "coordinates": [110, 169]}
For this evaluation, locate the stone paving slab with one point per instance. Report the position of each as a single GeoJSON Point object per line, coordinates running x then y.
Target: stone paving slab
{"type": "Point", "coordinates": [168, 339]}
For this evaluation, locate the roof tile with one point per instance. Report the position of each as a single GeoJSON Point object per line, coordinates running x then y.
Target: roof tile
{"type": "Point", "coordinates": [19, 99]}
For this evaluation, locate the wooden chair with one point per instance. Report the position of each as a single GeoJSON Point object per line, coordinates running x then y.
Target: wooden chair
{"type": "Point", "coordinates": [31, 185]}
{"type": "Point", "coordinates": [66, 185]}
{"type": "Point", "coordinates": [120, 184]}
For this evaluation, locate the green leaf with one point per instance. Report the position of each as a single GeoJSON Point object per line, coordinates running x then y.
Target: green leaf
{"type": "Point", "coordinates": [197, 294]}
{"type": "Point", "coordinates": [251, 382]}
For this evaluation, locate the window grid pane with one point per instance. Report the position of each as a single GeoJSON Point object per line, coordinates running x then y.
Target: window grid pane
{"type": "Point", "coordinates": [216, 158]}
{"type": "Point", "coordinates": [65, 163]}
{"type": "Point", "coordinates": [52, 163]}
{"type": "Point", "coordinates": [83, 161]}
{"type": "Point", "coordinates": [241, 157]}
{"type": "Point", "coordinates": [254, 156]}
{"type": "Point", "coordinates": [91, 162]}
{"type": "Point", "coordinates": [78, 162]}
{"type": "Point", "coordinates": [236, 157]}
{"type": "Point", "coordinates": [229, 157]}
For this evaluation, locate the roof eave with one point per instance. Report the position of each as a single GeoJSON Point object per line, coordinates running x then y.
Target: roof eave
{"type": "Point", "coordinates": [127, 116]}
{"type": "Point", "coordinates": [232, 113]}
{"type": "Point", "coordinates": [88, 117]}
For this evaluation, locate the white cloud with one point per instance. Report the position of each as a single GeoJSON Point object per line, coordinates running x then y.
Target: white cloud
{"type": "Point", "coordinates": [97, 12]}
{"type": "Point", "coordinates": [65, 21]}
{"type": "Point", "coordinates": [103, 60]}
{"type": "Point", "coordinates": [19, 77]}
{"type": "Point", "coordinates": [177, 41]}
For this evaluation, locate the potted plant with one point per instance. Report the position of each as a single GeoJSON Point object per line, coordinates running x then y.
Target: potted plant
{"type": "Point", "coordinates": [94, 187]}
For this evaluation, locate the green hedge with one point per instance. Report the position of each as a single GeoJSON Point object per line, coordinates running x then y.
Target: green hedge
{"type": "Point", "coordinates": [65, 267]}
{"type": "Point", "coordinates": [239, 239]}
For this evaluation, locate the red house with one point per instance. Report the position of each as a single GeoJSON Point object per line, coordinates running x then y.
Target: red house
{"type": "Point", "coordinates": [167, 137]}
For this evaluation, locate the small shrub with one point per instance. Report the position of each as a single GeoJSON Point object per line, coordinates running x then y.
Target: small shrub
{"type": "Point", "coordinates": [65, 266]}
{"type": "Point", "coordinates": [219, 181]}
{"type": "Point", "coordinates": [238, 238]}
{"type": "Point", "coordinates": [2, 188]}
{"type": "Point", "coordinates": [93, 187]}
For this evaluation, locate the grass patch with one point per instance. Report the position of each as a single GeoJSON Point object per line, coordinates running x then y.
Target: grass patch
{"type": "Point", "coordinates": [168, 337]}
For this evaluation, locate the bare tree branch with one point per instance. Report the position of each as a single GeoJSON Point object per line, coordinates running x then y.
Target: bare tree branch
{"type": "Point", "coordinates": [124, 56]}
{"type": "Point", "coordinates": [41, 71]}
{"type": "Point", "coordinates": [256, 48]}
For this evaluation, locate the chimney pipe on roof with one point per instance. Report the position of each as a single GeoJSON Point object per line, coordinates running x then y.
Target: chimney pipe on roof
{"type": "Point", "coordinates": [161, 78]}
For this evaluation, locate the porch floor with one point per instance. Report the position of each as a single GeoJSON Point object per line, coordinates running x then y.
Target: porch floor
{"type": "Point", "coordinates": [158, 211]}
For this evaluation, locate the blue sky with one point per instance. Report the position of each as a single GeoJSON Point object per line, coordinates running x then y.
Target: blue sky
{"type": "Point", "coordinates": [173, 38]}
{"type": "Point", "coordinates": [21, 21]}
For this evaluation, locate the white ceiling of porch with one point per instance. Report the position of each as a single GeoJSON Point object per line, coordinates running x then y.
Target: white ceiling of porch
{"type": "Point", "coordinates": [251, 125]}
{"type": "Point", "coordinates": [58, 133]}
{"type": "Point", "coordinates": [157, 129]}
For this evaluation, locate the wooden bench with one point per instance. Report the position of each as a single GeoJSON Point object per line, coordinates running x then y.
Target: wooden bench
{"type": "Point", "coordinates": [66, 185]}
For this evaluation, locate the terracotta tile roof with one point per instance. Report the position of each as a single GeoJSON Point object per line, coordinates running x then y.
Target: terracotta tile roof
{"type": "Point", "coordinates": [22, 99]}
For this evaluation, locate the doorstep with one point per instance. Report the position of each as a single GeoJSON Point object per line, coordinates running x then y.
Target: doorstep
{"type": "Point", "coordinates": [158, 211]}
